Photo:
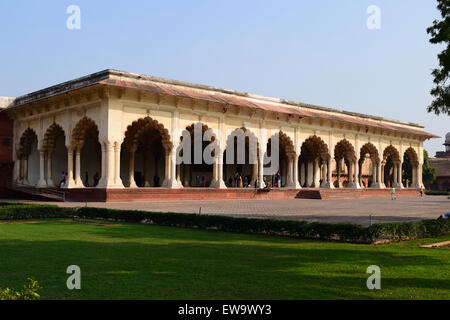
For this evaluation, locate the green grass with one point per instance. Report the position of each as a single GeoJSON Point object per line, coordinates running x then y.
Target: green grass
{"type": "Point", "coordinates": [148, 262]}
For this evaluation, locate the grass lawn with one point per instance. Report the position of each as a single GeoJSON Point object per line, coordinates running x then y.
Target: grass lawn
{"type": "Point", "coordinates": [147, 262]}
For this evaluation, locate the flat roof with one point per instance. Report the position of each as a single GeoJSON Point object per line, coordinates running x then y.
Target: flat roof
{"type": "Point", "coordinates": [124, 79]}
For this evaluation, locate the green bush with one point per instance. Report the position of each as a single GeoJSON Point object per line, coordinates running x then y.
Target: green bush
{"type": "Point", "coordinates": [436, 193]}
{"type": "Point", "coordinates": [20, 211]}
{"type": "Point", "coordinates": [29, 292]}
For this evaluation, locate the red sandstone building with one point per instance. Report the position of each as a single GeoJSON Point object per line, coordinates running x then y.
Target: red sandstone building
{"type": "Point", "coordinates": [441, 163]}
{"type": "Point", "coordinates": [6, 146]}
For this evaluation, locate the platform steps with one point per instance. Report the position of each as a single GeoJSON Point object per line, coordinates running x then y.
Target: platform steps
{"type": "Point", "coordinates": [49, 194]}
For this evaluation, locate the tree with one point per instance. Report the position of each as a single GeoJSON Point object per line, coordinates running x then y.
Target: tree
{"type": "Point", "coordinates": [428, 173]}
{"type": "Point", "coordinates": [440, 33]}
{"type": "Point", "coordinates": [407, 168]}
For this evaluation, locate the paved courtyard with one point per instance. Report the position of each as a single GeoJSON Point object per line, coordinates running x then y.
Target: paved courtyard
{"type": "Point", "coordinates": [349, 210]}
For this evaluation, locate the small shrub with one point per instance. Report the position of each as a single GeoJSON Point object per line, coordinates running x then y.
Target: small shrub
{"type": "Point", "coordinates": [29, 292]}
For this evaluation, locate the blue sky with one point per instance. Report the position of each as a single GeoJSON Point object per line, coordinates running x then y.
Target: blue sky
{"type": "Point", "coordinates": [317, 52]}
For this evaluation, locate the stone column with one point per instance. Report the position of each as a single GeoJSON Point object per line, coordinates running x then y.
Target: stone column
{"type": "Point", "coordinates": [102, 181]}
{"type": "Point", "coordinates": [296, 184]}
{"type": "Point", "coordinates": [218, 172]}
{"type": "Point", "coordinates": [350, 174]}
{"type": "Point", "coordinates": [172, 162]}
{"type": "Point", "coordinates": [42, 183]}
{"type": "Point", "coordinates": [179, 176]}
{"type": "Point", "coordinates": [261, 183]}
{"type": "Point", "coordinates": [395, 177]}
{"type": "Point", "coordinates": [419, 175]}
{"type": "Point", "coordinates": [70, 182]}
{"type": "Point", "coordinates": [131, 169]}
{"type": "Point", "coordinates": [338, 167]}
{"type": "Point", "coordinates": [324, 175]}
{"type": "Point", "coordinates": [50, 182]}
{"type": "Point", "coordinates": [166, 169]}
{"type": "Point", "coordinates": [18, 170]}
{"type": "Point", "coordinates": [400, 172]}
{"type": "Point", "coordinates": [413, 182]}
{"type": "Point", "coordinates": [117, 180]}
{"type": "Point", "coordinates": [309, 174]}
{"type": "Point", "coordinates": [355, 182]}
{"type": "Point", "coordinates": [254, 174]}
{"type": "Point", "coordinates": [302, 174]}
{"type": "Point", "coordinates": [316, 174]}
{"type": "Point", "coordinates": [289, 176]}
{"type": "Point", "coordinates": [78, 181]}
{"type": "Point", "coordinates": [25, 171]}
{"type": "Point", "coordinates": [327, 175]}
{"type": "Point", "coordinates": [214, 174]}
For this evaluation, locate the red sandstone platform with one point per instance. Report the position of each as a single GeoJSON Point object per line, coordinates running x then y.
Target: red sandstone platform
{"type": "Point", "coordinates": [162, 194]}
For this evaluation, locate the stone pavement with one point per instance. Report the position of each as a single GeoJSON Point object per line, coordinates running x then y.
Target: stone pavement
{"type": "Point", "coordinates": [336, 210]}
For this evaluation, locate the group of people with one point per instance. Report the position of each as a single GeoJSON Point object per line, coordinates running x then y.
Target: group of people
{"type": "Point", "coordinates": [64, 176]}
{"type": "Point", "coordinates": [244, 181]}
{"type": "Point", "coordinates": [239, 181]}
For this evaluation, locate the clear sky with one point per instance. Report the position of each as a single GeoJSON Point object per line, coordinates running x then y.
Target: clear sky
{"type": "Point", "coordinates": [319, 52]}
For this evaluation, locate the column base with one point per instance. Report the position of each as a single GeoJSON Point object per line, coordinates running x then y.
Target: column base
{"type": "Point", "coordinates": [377, 186]}
{"type": "Point", "coordinates": [315, 185]}
{"type": "Point", "coordinates": [327, 185]}
{"type": "Point", "coordinates": [70, 184]}
{"type": "Point", "coordinates": [133, 184]}
{"type": "Point", "coordinates": [42, 184]}
{"type": "Point", "coordinates": [414, 186]}
{"type": "Point", "coordinates": [173, 184]}
{"type": "Point", "coordinates": [106, 185]}
{"type": "Point", "coordinates": [355, 185]}
{"type": "Point", "coordinates": [398, 185]}
{"type": "Point", "coordinates": [218, 184]}
{"type": "Point", "coordinates": [79, 183]}
{"type": "Point", "coordinates": [293, 186]}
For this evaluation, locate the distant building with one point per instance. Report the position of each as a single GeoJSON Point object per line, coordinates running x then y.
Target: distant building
{"type": "Point", "coordinates": [442, 164]}
{"type": "Point", "coordinates": [6, 146]}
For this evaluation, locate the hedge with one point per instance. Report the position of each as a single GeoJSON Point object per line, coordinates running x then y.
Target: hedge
{"type": "Point", "coordinates": [298, 229]}
{"type": "Point", "coordinates": [436, 193]}
{"type": "Point", "coordinates": [21, 211]}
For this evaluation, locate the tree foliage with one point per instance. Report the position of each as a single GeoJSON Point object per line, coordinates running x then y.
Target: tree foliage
{"type": "Point", "coordinates": [440, 34]}
{"type": "Point", "coordinates": [29, 292]}
{"type": "Point", "coordinates": [407, 168]}
{"type": "Point", "coordinates": [428, 173]}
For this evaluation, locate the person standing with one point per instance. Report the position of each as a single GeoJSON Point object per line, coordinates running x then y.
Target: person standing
{"type": "Point", "coordinates": [393, 194]}
{"type": "Point", "coordinates": [421, 191]}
